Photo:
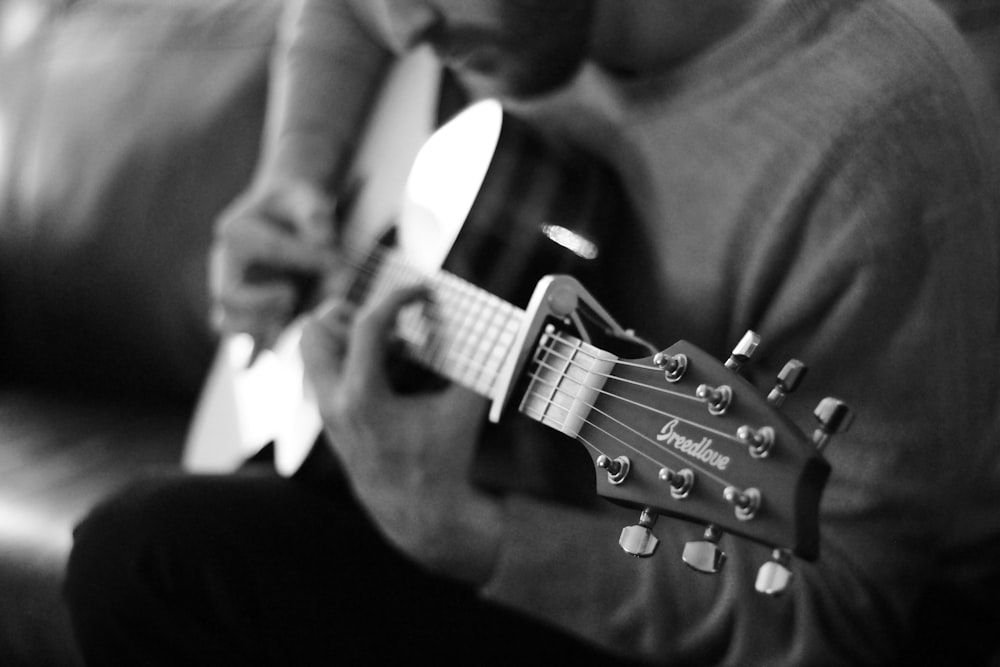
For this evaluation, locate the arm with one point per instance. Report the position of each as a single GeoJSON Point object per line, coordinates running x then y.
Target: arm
{"type": "Point", "coordinates": [326, 69]}
{"type": "Point", "coordinates": [277, 237]}
{"type": "Point", "coordinates": [870, 282]}
{"type": "Point", "coordinates": [868, 285]}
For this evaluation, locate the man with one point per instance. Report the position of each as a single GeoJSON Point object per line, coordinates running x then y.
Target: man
{"type": "Point", "coordinates": [822, 172]}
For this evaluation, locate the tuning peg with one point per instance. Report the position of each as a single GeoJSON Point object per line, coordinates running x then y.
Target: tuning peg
{"type": "Point", "coordinates": [717, 398]}
{"type": "Point", "coordinates": [743, 351]}
{"type": "Point", "coordinates": [834, 417]}
{"type": "Point", "coordinates": [745, 503]}
{"type": "Point", "coordinates": [617, 468]}
{"type": "Point", "coordinates": [672, 365]}
{"type": "Point", "coordinates": [705, 555]}
{"type": "Point", "coordinates": [759, 440]}
{"type": "Point", "coordinates": [681, 481]}
{"type": "Point", "coordinates": [639, 540]}
{"type": "Point", "coordinates": [789, 379]}
{"type": "Point", "coordinates": [775, 575]}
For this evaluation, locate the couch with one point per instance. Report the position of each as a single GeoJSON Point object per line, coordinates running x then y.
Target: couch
{"type": "Point", "coordinates": [125, 126]}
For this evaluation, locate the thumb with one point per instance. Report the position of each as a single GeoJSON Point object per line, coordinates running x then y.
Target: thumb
{"type": "Point", "coordinates": [369, 340]}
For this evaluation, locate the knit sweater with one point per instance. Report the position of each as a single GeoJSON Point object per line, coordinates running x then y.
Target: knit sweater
{"type": "Point", "coordinates": [827, 176]}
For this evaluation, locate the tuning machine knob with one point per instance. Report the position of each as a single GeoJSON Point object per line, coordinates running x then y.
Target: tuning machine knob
{"type": "Point", "coordinates": [789, 378]}
{"type": "Point", "coordinates": [705, 555]}
{"type": "Point", "coordinates": [743, 351]}
{"type": "Point", "coordinates": [834, 417]}
{"type": "Point", "coordinates": [639, 540]}
{"type": "Point", "coordinates": [774, 576]}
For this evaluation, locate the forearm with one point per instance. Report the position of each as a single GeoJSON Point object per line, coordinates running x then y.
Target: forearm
{"type": "Point", "coordinates": [327, 67]}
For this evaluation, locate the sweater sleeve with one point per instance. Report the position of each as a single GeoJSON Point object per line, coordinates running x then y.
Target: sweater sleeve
{"type": "Point", "coordinates": [327, 66]}
{"type": "Point", "coordinates": [883, 277]}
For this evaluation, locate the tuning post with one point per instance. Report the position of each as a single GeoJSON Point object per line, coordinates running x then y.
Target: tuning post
{"type": "Point", "coordinates": [774, 576]}
{"type": "Point", "coordinates": [745, 503]}
{"type": "Point", "coordinates": [760, 441]}
{"type": "Point", "coordinates": [704, 555]}
{"type": "Point", "coordinates": [834, 417]}
{"type": "Point", "coordinates": [639, 540]}
{"type": "Point", "coordinates": [718, 398]}
{"type": "Point", "coordinates": [617, 468]}
{"type": "Point", "coordinates": [743, 351]}
{"type": "Point", "coordinates": [673, 365]}
{"type": "Point", "coordinates": [681, 481]}
{"type": "Point", "coordinates": [788, 380]}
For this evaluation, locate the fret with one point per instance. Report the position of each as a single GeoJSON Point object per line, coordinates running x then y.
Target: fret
{"type": "Point", "coordinates": [487, 349]}
{"type": "Point", "coordinates": [467, 334]}
{"type": "Point", "coordinates": [471, 307]}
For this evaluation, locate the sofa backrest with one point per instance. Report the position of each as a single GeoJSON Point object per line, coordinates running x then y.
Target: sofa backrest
{"type": "Point", "coordinates": [125, 127]}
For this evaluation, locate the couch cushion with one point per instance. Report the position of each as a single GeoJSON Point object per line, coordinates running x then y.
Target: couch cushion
{"type": "Point", "coordinates": [125, 126]}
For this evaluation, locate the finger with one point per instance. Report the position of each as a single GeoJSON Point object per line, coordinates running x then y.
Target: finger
{"type": "Point", "coordinates": [325, 339]}
{"type": "Point", "coordinates": [367, 350]}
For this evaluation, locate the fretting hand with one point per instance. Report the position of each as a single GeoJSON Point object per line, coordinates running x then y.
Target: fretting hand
{"type": "Point", "coordinates": [407, 455]}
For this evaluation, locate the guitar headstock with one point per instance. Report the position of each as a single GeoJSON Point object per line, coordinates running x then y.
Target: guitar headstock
{"type": "Point", "coordinates": [682, 434]}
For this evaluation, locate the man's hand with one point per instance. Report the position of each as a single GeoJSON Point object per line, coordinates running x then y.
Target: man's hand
{"type": "Point", "coordinates": [407, 456]}
{"type": "Point", "coordinates": [269, 243]}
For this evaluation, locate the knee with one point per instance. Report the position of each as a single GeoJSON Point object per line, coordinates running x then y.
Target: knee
{"type": "Point", "coordinates": [103, 544]}
{"type": "Point", "coordinates": [116, 548]}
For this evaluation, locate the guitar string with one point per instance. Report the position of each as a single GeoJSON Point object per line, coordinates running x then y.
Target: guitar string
{"type": "Point", "coordinates": [540, 395]}
{"type": "Point", "coordinates": [400, 274]}
{"type": "Point", "coordinates": [570, 361]}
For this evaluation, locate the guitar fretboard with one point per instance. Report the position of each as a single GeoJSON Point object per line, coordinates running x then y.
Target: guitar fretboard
{"type": "Point", "coordinates": [465, 334]}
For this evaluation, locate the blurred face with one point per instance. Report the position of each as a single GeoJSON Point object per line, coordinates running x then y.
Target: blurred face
{"type": "Point", "coordinates": [519, 47]}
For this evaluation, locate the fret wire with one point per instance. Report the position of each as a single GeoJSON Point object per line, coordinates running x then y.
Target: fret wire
{"type": "Point", "coordinates": [471, 307]}
{"type": "Point", "coordinates": [479, 325]}
{"type": "Point", "coordinates": [497, 324]}
{"type": "Point", "coordinates": [483, 347]}
{"type": "Point", "coordinates": [455, 298]}
{"type": "Point", "coordinates": [461, 309]}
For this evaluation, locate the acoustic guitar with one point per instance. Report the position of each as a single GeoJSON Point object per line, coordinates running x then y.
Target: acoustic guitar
{"type": "Point", "coordinates": [673, 432]}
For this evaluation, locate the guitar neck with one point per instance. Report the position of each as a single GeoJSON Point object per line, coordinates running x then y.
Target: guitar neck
{"type": "Point", "coordinates": [468, 334]}
{"type": "Point", "coordinates": [465, 335]}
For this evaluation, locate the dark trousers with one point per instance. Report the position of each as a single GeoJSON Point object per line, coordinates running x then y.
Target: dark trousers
{"type": "Point", "coordinates": [256, 569]}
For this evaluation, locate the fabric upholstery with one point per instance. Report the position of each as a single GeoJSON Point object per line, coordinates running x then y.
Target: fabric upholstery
{"type": "Point", "coordinates": [128, 126]}
{"type": "Point", "coordinates": [125, 126]}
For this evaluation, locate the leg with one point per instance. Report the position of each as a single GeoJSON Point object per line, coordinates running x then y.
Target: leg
{"type": "Point", "coordinates": [262, 570]}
